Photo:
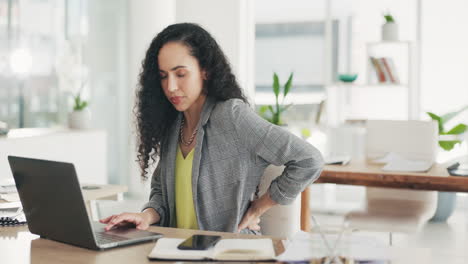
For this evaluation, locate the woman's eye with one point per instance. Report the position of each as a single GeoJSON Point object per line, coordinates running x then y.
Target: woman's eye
{"type": "Point", "coordinates": [180, 75]}
{"type": "Point", "coordinates": [163, 77]}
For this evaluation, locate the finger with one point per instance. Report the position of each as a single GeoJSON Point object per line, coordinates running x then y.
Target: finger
{"type": "Point", "coordinates": [255, 228]}
{"type": "Point", "coordinates": [107, 219]}
{"type": "Point", "coordinates": [258, 221]}
{"type": "Point", "coordinates": [124, 224]}
{"type": "Point", "coordinates": [109, 224]}
{"type": "Point", "coordinates": [244, 223]}
{"type": "Point", "coordinates": [116, 219]}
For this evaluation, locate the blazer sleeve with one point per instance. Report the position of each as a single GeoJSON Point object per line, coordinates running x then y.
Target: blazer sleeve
{"type": "Point", "coordinates": [156, 198]}
{"type": "Point", "coordinates": [275, 145]}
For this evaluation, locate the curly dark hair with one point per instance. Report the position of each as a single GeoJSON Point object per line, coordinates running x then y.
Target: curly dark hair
{"type": "Point", "coordinates": [155, 115]}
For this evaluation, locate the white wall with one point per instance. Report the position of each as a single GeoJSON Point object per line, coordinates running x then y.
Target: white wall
{"type": "Point", "coordinates": [232, 25]}
{"type": "Point", "coordinates": [146, 18]}
{"type": "Point", "coordinates": [444, 56]}
{"type": "Point", "coordinates": [280, 11]}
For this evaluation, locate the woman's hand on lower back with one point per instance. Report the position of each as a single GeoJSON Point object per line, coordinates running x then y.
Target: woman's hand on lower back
{"type": "Point", "coordinates": [251, 219]}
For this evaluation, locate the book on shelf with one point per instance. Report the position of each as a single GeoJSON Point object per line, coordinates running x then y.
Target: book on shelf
{"type": "Point", "coordinates": [378, 70]}
{"type": "Point", "coordinates": [224, 250]}
{"type": "Point", "coordinates": [385, 70]}
{"type": "Point", "coordinates": [393, 70]}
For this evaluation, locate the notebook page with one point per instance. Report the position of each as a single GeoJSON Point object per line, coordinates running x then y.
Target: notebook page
{"type": "Point", "coordinates": [244, 249]}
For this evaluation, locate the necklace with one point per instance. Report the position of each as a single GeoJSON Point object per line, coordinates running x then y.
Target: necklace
{"type": "Point", "coordinates": [192, 137]}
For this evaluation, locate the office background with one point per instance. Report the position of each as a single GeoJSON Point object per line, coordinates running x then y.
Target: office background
{"type": "Point", "coordinates": [97, 47]}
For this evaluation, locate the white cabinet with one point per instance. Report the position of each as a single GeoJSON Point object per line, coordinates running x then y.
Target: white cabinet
{"type": "Point", "coordinates": [86, 149]}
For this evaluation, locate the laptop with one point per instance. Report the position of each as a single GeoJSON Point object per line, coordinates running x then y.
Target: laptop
{"type": "Point", "coordinates": [54, 207]}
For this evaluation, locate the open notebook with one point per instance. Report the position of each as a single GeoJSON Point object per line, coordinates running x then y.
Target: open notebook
{"type": "Point", "coordinates": [225, 249]}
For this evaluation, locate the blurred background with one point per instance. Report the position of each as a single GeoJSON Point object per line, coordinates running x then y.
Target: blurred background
{"type": "Point", "coordinates": [52, 50]}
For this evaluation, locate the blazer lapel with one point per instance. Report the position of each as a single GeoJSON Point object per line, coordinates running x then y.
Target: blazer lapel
{"type": "Point", "coordinates": [172, 145]}
{"type": "Point", "coordinates": [206, 112]}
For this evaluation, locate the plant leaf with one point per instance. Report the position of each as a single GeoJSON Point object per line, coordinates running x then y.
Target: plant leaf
{"type": "Point", "coordinates": [288, 84]}
{"type": "Point", "coordinates": [276, 85]}
{"type": "Point", "coordinates": [389, 18]}
{"type": "Point", "coordinates": [84, 105]}
{"type": "Point", "coordinates": [458, 129]}
{"type": "Point", "coordinates": [448, 145]}
{"type": "Point", "coordinates": [439, 121]}
{"type": "Point", "coordinates": [271, 109]}
{"type": "Point", "coordinates": [276, 118]}
{"type": "Point", "coordinates": [263, 109]}
{"type": "Point", "coordinates": [447, 117]}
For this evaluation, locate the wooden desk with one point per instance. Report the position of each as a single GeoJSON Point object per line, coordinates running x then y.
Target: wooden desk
{"type": "Point", "coordinates": [19, 246]}
{"type": "Point", "coordinates": [369, 174]}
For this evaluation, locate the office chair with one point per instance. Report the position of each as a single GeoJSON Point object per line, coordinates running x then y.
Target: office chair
{"type": "Point", "coordinates": [281, 220]}
{"type": "Point", "coordinates": [397, 210]}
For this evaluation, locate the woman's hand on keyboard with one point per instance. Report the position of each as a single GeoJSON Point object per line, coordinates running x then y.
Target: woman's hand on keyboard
{"type": "Point", "coordinates": [140, 220]}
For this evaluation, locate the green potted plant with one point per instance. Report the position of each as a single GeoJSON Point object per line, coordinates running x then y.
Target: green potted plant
{"type": "Point", "coordinates": [389, 28]}
{"type": "Point", "coordinates": [272, 113]}
{"type": "Point", "coordinates": [80, 117]}
{"type": "Point", "coordinates": [448, 144]}
{"type": "Point", "coordinates": [446, 200]}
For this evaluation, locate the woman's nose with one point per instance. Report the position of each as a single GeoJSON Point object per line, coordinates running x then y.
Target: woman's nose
{"type": "Point", "coordinates": [171, 84]}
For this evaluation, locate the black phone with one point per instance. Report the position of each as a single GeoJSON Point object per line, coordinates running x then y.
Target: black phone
{"type": "Point", "coordinates": [199, 242]}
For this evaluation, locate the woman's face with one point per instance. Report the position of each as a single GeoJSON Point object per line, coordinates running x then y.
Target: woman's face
{"type": "Point", "coordinates": [181, 76]}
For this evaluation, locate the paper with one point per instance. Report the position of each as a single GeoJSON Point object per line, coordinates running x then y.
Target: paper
{"type": "Point", "coordinates": [11, 197]}
{"type": "Point", "coordinates": [10, 205]}
{"type": "Point", "coordinates": [306, 246]}
{"type": "Point", "coordinates": [7, 186]}
{"type": "Point", "coordinates": [395, 162]}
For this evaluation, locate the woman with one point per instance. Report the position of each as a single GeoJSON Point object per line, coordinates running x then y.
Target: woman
{"type": "Point", "coordinates": [212, 147]}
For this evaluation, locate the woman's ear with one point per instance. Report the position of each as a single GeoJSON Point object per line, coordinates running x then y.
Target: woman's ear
{"type": "Point", "coordinates": [204, 75]}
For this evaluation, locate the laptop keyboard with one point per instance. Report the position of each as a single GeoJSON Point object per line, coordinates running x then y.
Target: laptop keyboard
{"type": "Point", "coordinates": [105, 238]}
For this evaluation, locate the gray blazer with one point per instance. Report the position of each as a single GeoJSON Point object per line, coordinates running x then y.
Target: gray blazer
{"type": "Point", "coordinates": [233, 147]}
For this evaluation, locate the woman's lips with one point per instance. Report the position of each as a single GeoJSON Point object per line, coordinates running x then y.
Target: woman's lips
{"type": "Point", "coordinates": [176, 99]}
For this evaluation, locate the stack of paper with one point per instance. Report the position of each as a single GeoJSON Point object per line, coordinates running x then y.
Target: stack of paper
{"type": "Point", "coordinates": [395, 162]}
{"type": "Point", "coordinates": [9, 195]}
{"type": "Point", "coordinates": [7, 186]}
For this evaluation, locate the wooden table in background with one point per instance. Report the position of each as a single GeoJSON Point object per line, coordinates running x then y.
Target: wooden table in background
{"type": "Point", "coordinates": [371, 175]}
